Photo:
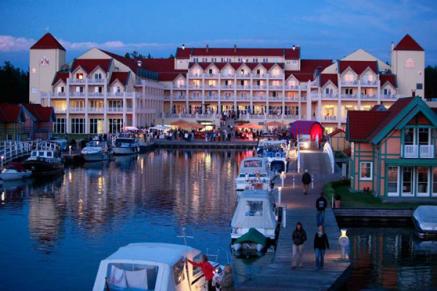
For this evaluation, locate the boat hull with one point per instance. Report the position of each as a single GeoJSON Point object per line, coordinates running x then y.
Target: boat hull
{"type": "Point", "coordinates": [125, 150]}
{"type": "Point", "coordinates": [95, 157]}
{"type": "Point", "coordinates": [12, 176]}
{"type": "Point", "coordinates": [42, 168]}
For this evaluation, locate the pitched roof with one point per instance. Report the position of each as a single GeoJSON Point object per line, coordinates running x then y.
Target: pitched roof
{"type": "Point", "coordinates": [325, 78]}
{"type": "Point", "coordinates": [48, 41]}
{"type": "Point", "coordinates": [358, 66]}
{"type": "Point", "coordinates": [288, 53]}
{"type": "Point", "coordinates": [407, 43]}
{"type": "Point", "coordinates": [364, 125]}
{"type": "Point", "coordinates": [60, 76]}
{"type": "Point", "coordinates": [310, 66]}
{"type": "Point", "coordinates": [41, 113]}
{"type": "Point", "coordinates": [361, 124]}
{"type": "Point", "coordinates": [9, 112]}
{"type": "Point", "coordinates": [388, 78]}
{"type": "Point", "coordinates": [90, 64]}
{"type": "Point", "coordinates": [122, 77]}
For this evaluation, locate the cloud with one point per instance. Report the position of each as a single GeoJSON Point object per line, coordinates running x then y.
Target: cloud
{"type": "Point", "coordinates": [9, 43]}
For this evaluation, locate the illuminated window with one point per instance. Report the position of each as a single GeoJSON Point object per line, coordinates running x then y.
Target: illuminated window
{"type": "Point", "coordinates": [79, 76]}
{"type": "Point", "coordinates": [366, 170]}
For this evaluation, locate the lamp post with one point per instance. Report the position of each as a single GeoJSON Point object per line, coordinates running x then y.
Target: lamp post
{"type": "Point", "coordinates": [2, 158]}
{"type": "Point", "coordinates": [279, 195]}
{"type": "Point", "coordinates": [69, 150]}
{"type": "Point", "coordinates": [343, 241]}
{"type": "Point", "coordinates": [282, 178]}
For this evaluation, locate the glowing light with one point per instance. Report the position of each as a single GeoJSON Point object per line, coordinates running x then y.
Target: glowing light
{"type": "Point", "coordinates": [3, 196]}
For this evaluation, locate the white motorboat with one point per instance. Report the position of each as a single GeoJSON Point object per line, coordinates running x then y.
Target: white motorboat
{"type": "Point", "coordinates": [255, 223]}
{"type": "Point", "coordinates": [95, 151]}
{"type": "Point", "coordinates": [276, 152]}
{"type": "Point", "coordinates": [125, 145]}
{"type": "Point", "coordinates": [254, 174]}
{"type": "Point", "coordinates": [10, 174]}
{"type": "Point", "coordinates": [425, 221]}
{"type": "Point", "coordinates": [151, 266]}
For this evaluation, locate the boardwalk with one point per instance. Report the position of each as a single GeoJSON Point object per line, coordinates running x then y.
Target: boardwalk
{"type": "Point", "coordinates": [278, 275]}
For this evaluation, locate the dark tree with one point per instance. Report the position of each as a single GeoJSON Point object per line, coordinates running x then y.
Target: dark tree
{"type": "Point", "coordinates": [14, 83]}
{"type": "Point", "coordinates": [171, 56]}
{"type": "Point", "coordinates": [134, 55]}
{"type": "Point", "coordinates": [431, 82]}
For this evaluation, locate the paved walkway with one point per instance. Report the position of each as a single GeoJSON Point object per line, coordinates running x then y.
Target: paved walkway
{"type": "Point", "coordinates": [278, 274]}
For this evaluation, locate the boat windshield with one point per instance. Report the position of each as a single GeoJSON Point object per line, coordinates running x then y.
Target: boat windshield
{"type": "Point", "coordinates": [197, 270]}
{"type": "Point", "coordinates": [254, 208]}
{"type": "Point", "coordinates": [178, 272]}
{"type": "Point", "coordinates": [252, 164]}
{"type": "Point", "coordinates": [94, 143]}
{"type": "Point", "coordinates": [131, 277]}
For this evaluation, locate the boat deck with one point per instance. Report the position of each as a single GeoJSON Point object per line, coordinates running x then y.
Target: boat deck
{"type": "Point", "coordinates": [278, 275]}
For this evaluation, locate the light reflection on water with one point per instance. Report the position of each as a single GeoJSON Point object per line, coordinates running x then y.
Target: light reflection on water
{"type": "Point", "coordinates": [65, 227]}
{"type": "Point", "coordinates": [55, 233]}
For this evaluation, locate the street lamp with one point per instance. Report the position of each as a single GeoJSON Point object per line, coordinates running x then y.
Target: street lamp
{"type": "Point", "coordinates": [2, 158]}
{"type": "Point", "coordinates": [279, 195]}
{"type": "Point", "coordinates": [282, 178]}
{"type": "Point", "coordinates": [69, 150]}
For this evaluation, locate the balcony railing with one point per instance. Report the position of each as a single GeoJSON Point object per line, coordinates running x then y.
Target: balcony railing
{"type": "Point", "coordinates": [77, 109]}
{"type": "Point", "coordinates": [96, 109]}
{"type": "Point", "coordinates": [368, 83]}
{"type": "Point", "coordinates": [77, 94]}
{"type": "Point", "coordinates": [330, 96]}
{"type": "Point", "coordinates": [348, 96]}
{"type": "Point", "coordinates": [418, 151]}
{"type": "Point", "coordinates": [96, 94]}
{"type": "Point", "coordinates": [369, 97]}
{"type": "Point", "coordinates": [329, 118]}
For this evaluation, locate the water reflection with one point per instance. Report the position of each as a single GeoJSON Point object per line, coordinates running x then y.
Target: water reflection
{"type": "Point", "coordinates": [391, 258]}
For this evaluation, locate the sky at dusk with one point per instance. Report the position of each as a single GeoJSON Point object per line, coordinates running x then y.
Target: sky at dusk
{"type": "Point", "coordinates": [323, 28]}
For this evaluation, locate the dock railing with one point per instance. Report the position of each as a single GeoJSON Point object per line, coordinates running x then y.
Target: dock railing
{"type": "Point", "coordinates": [328, 149]}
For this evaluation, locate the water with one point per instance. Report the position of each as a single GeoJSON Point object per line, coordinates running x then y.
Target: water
{"type": "Point", "coordinates": [54, 233]}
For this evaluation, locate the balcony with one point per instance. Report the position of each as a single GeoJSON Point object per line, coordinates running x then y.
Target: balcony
{"type": "Point", "coordinates": [368, 83]}
{"type": "Point", "coordinates": [195, 75]}
{"type": "Point", "coordinates": [276, 76]}
{"type": "Point", "coordinates": [259, 98]}
{"type": "Point", "coordinates": [96, 94]}
{"type": "Point", "coordinates": [389, 97]}
{"type": "Point", "coordinates": [349, 83]}
{"type": "Point", "coordinates": [178, 97]}
{"type": "Point", "coordinates": [329, 118]}
{"type": "Point", "coordinates": [96, 81]}
{"type": "Point", "coordinates": [227, 87]}
{"type": "Point", "coordinates": [418, 151]}
{"type": "Point", "coordinates": [243, 76]}
{"type": "Point", "coordinates": [227, 75]}
{"type": "Point", "coordinates": [227, 98]}
{"type": "Point", "coordinates": [180, 87]}
{"type": "Point", "coordinates": [369, 97]}
{"type": "Point", "coordinates": [60, 109]}
{"type": "Point", "coordinates": [259, 87]}
{"type": "Point", "coordinates": [77, 109]}
{"type": "Point", "coordinates": [291, 87]}
{"type": "Point", "coordinates": [243, 87]}
{"type": "Point", "coordinates": [74, 81]}
{"type": "Point", "coordinates": [329, 97]}
{"type": "Point", "coordinates": [77, 94]}
{"type": "Point", "coordinates": [198, 98]}
{"type": "Point", "coordinates": [96, 109]}
{"type": "Point", "coordinates": [211, 98]}
{"type": "Point", "coordinates": [210, 76]}
{"type": "Point", "coordinates": [278, 87]}
{"type": "Point", "coordinates": [195, 87]}
{"type": "Point", "coordinates": [348, 96]}
{"type": "Point", "coordinates": [59, 95]}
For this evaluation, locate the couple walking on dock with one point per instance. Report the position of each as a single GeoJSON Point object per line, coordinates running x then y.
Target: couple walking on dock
{"type": "Point", "coordinates": [321, 242]}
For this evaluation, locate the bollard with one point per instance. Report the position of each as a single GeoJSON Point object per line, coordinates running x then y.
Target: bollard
{"type": "Point", "coordinates": [294, 183]}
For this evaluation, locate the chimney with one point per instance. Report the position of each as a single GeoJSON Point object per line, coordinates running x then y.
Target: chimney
{"type": "Point", "coordinates": [235, 48]}
{"type": "Point", "coordinates": [392, 45]}
{"type": "Point", "coordinates": [183, 46]}
{"type": "Point", "coordinates": [139, 63]}
{"type": "Point", "coordinates": [293, 47]}
{"type": "Point", "coordinates": [207, 47]}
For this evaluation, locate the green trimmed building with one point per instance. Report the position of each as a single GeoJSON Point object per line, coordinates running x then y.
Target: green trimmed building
{"type": "Point", "coordinates": [393, 151]}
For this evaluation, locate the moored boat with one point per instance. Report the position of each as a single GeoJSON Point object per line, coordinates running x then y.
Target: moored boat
{"type": "Point", "coordinates": [152, 266]}
{"type": "Point", "coordinates": [255, 223]}
{"type": "Point", "coordinates": [44, 162]}
{"type": "Point", "coordinates": [14, 171]}
{"type": "Point", "coordinates": [276, 154]}
{"type": "Point", "coordinates": [125, 145]}
{"type": "Point", "coordinates": [425, 221]}
{"type": "Point", "coordinates": [95, 151]}
{"type": "Point", "coordinates": [254, 174]}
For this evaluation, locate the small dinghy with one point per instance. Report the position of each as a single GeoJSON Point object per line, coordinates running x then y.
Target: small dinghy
{"type": "Point", "coordinates": [14, 171]}
{"type": "Point", "coordinates": [425, 221]}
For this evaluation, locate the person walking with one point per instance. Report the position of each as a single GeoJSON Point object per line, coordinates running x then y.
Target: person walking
{"type": "Point", "coordinates": [306, 180]}
{"type": "Point", "coordinates": [207, 270]}
{"type": "Point", "coordinates": [299, 237]}
{"type": "Point", "coordinates": [321, 243]}
{"type": "Point", "coordinates": [227, 282]}
{"type": "Point", "coordinates": [321, 205]}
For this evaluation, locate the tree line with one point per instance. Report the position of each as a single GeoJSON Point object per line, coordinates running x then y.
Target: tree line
{"type": "Point", "coordinates": [14, 82]}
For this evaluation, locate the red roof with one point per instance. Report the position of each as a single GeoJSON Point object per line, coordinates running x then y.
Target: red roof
{"type": "Point", "coordinates": [324, 78]}
{"type": "Point", "coordinates": [310, 66]}
{"type": "Point", "coordinates": [90, 64]}
{"type": "Point", "coordinates": [408, 43]}
{"type": "Point", "coordinates": [122, 77]}
{"type": "Point", "coordinates": [363, 125]}
{"type": "Point", "coordinates": [60, 76]}
{"type": "Point", "coordinates": [48, 41]}
{"type": "Point", "coordinates": [41, 113]}
{"type": "Point", "coordinates": [169, 76]}
{"type": "Point", "coordinates": [359, 66]}
{"type": "Point", "coordinates": [9, 112]}
{"type": "Point", "coordinates": [388, 78]}
{"type": "Point", "coordinates": [288, 53]}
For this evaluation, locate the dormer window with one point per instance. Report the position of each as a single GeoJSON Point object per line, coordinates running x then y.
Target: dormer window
{"type": "Point", "coordinates": [79, 76]}
{"type": "Point", "coordinates": [210, 71]}
{"type": "Point", "coordinates": [258, 72]}
{"type": "Point", "coordinates": [98, 76]}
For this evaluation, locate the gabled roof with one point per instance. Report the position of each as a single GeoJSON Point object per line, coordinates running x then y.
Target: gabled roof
{"type": "Point", "coordinates": [48, 41]}
{"type": "Point", "coordinates": [169, 76]}
{"type": "Point", "coordinates": [408, 43]}
{"type": "Point", "coordinates": [88, 65]}
{"type": "Point", "coordinates": [325, 78]}
{"type": "Point", "coordinates": [122, 77]}
{"type": "Point", "coordinates": [373, 126]}
{"type": "Point", "coordinates": [41, 113]}
{"type": "Point", "coordinates": [60, 76]}
{"type": "Point", "coordinates": [358, 66]}
{"type": "Point", "coordinates": [310, 66]}
{"type": "Point", "coordinates": [10, 112]}
{"type": "Point", "coordinates": [288, 53]}
{"type": "Point", "coordinates": [388, 78]}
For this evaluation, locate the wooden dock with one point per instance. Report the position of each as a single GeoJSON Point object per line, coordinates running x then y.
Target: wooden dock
{"type": "Point", "coordinates": [197, 144]}
{"type": "Point", "coordinates": [278, 274]}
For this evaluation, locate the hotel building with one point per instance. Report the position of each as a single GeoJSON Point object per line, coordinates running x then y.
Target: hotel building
{"type": "Point", "coordinates": [102, 91]}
